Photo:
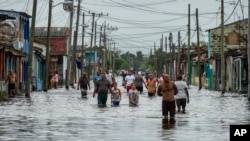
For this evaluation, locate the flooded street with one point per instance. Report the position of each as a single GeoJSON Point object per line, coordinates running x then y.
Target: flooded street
{"type": "Point", "coordinates": [64, 115]}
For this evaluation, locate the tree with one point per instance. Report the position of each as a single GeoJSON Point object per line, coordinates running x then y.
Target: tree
{"type": "Point", "coordinates": [139, 56]}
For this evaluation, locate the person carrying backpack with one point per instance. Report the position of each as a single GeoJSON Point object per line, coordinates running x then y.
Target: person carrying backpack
{"type": "Point", "coordinates": [84, 84]}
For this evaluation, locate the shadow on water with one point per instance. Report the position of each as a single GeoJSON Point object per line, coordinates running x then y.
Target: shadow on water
{"type": "Point", "coordinates": [168, 123]}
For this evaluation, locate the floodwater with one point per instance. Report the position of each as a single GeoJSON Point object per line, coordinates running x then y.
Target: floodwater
{"type": "Point", "coordinates": [61, 115]}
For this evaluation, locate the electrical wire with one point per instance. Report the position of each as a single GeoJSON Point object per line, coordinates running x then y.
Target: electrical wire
{"type": "Point", "coordinates": [232, 12]}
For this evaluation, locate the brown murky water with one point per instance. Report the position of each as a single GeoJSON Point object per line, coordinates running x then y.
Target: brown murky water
{"type": "Point", "coordinates": [63, 115]}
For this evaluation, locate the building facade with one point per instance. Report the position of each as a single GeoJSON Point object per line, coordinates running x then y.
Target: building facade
{"type": "Point", "coordinates": [14, 45]}
{"type": "Point", "coordinates": [58, 50]}
{"type": "Point", "coordinates": [235, 49]}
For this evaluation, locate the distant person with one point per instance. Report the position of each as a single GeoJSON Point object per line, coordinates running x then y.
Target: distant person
{"type": "Point", "coordinates": [83, 82]}
{"type": "Point", "coordinates": [139, 82]}
{"type": "Point", "coordinates": [133, 96]}
{"type": "Point", "coordinates": [160, 80]}
{"type": "Point", "coordinates": [102, 87]}
{"type": "Point", "coordinates": [55, 79]}
{"type": "Point", "coordinates": [155, 79]}
{"type": "Point", "coordinates": [50, 81]}
{"type": "Point", "coordinates": [110, 78]}
{"type": "Point", "coordinates": [96, 77]}
{"type": "Point", "coordinates": [124, 74]}
{"type": "Point", "coordinates": [151, 86]}
{"type": "Point", "coordinates": [11, 80]}
{"type": "Point", "coordinates": [116, 97]}
{"type": "Point", "coordinates": [167, 90]}
{"type": "Point", "coordinates": [129, 79]}
{"type": "Point", "coordinates": [183, 97]}
{"type": "Point", "coordinates": [146, 76]}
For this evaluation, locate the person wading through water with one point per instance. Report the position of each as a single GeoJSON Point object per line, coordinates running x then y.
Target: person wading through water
{"type": "Point", "coordinates": [129, 79]}
{"type": "Point", "coordinates": [167, 90]}
{"type": "Point", "coordinates": [11, 80]}
{"type": "Point", "coordinates": [183, 96]}
{"type": "Point", "coordinates": [101, 88]}
{"type": "Point", "coordinates": [84, 84]}
{"type": "Point", "coordinates": [139, 82]}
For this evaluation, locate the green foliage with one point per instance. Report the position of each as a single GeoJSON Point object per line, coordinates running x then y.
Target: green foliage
{"type": "Point", "coordinates": [135, 61]}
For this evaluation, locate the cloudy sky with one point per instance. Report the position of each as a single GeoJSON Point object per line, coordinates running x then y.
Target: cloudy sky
{"type": "Point", "coordinates": [140, 23]}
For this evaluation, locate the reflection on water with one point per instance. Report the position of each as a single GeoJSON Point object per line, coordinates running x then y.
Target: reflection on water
{"type": "Point", "coordinates": [168, 123]}
{"type": "Point", "coordinates": [64, 115]}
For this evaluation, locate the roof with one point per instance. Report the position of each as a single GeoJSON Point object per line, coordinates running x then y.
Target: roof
{"type": "Point", "coordinates": [19, 12]}
{"type": "Point", "coordinates": [227, 24]}
{"type": "Point", "coordinates": [54, 31]}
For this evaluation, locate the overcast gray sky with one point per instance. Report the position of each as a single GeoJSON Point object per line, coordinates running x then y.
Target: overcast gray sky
{"type": "Point", "coordinates": [140, 23]}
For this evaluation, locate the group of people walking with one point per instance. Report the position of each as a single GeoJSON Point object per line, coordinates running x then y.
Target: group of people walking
{"type": "Point", "coordinates": [174, 94]}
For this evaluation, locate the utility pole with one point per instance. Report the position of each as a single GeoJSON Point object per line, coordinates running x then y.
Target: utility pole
{"type": "Point", "coordinates": [46, 79]}
{"type": "Point", "coordinates": [156, 66]}
{"type": "Point", "coordinates": [248, 50]}
{"type": "Point", "coordinates": [105, 46]}
{"type": "Point", "coordinates": [108, 45]}
{"type": "Point", "coordinates": [101, 50]}
{"type": "Point", "coordinates": [109, 53]}
{"type": "Point", "coordinates": [114, 59]}
{"type": "Point", "coordinates": [174, 58]}
{"type": "Point", "coordinates": [160, 66]}
{"type": "Point", "coordinates": [69, 49]}
{"type": "Point", "coordinates": [198, 44]}
{"type": "Point", "coordinates": [32, 31]}
{"type": "Point", "coordinates": [222, 50]}
{"type": "Point", "coordinates": [179, 53]}
{"type": "Point", "coordinates": [95, 34]}
{"type": "Point", "coordinates": [83, 31]}
{"type": "Point", "coordinates": [161, 42]}
{"type": "Point", "coordinates": [166, 51]}
{"type": "Point", "coordinates": [171, 57]}
{"type": "Point", "coordinates": [100, 41]}
{"type": "Point", "coordinates": [73, 72]}
{"type": "Point", "coordinates": [188, 53]}
{"type": "Point", "coordinates": [91, 43]}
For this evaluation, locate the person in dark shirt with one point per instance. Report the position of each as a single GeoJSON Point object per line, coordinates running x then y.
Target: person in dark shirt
{"type": "Point", "coordinates": [124, 74]}
{"type": "Point", "coordinates": [139, 82]}
{"type": "Point", "coordinates": [101, 88]}
{"type": "Point", "coordinates": [84, 84]}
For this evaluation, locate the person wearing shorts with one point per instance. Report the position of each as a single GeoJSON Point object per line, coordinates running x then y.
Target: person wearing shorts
{"type": "Point", "coordinates": [167, 90]}
{"type": "Point", "coordinates": [102, 87]}
{"type": "Point", "coordinates": [84, 84]}
{"type": "Point", "coordinates": [129, 79]}
{"type": "Point", "coordinates": [11, 80]}
{"type": "Point", "coordinates": [183, 96]}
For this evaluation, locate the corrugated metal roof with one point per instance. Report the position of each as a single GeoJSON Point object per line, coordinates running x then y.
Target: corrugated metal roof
{"type": "Point", "coordinates": [54, 31]}
{"type": "Point", "coordinates": [21, 13]}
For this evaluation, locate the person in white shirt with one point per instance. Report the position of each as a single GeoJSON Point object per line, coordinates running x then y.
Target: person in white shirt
{"type": "Point", "coordinates": [110, 77]}
{"type": "Point", "coordinates": [183, 96]}
{"type": "Point", "coordinates": [129, 79]}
